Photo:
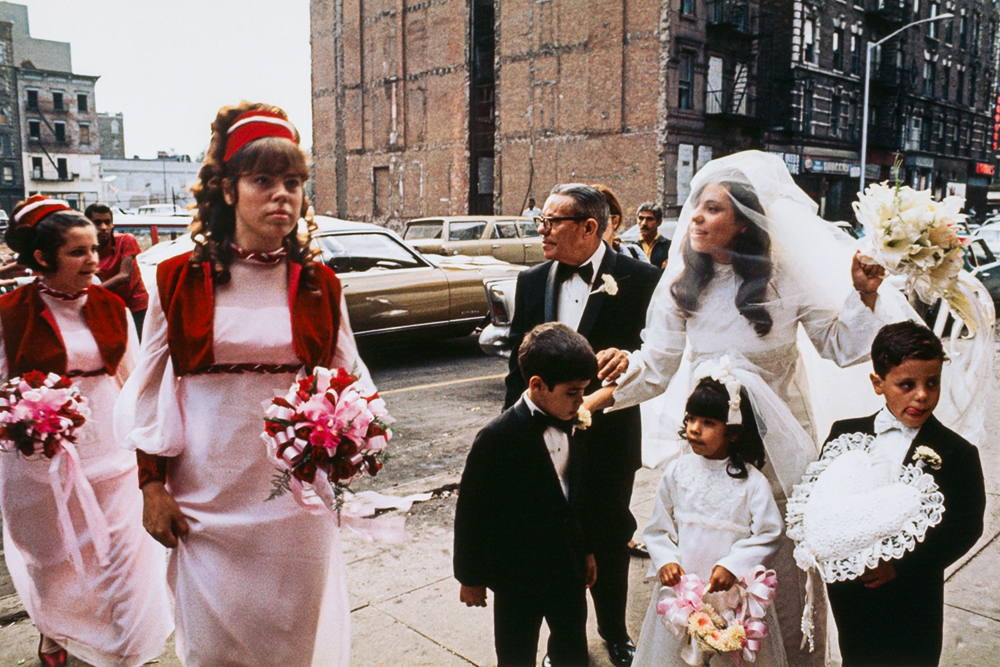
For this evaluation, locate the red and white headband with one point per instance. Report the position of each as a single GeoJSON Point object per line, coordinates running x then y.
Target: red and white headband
{"type": "Point", "coordinates": [257, 124]}
{"type": "Point", "coordinates": [37, 207]}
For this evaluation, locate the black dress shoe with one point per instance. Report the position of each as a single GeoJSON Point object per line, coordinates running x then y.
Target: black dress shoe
{"type": "Point", "coordinates": [621, 653]}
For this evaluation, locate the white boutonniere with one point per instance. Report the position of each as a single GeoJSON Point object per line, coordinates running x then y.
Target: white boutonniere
{"type": "Point", "coordinates": [925, 456]}
{"type": "Point", "coordinates": [609, 286]}
{"type": "Point", "coordinates": [583, 418]}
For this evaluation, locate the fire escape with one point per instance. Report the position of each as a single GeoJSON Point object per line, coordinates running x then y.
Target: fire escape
{"type": "Point", "coordinates": [737, 76]}
{"type": "Point", "coordinates": [888, 74]}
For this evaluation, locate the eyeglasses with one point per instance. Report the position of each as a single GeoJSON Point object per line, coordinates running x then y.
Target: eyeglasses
{"type": "Point", "coordinates": [549, 223]}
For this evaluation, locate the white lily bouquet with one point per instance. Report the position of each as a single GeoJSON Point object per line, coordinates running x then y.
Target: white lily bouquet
{"type": "Point", "coordinates": [912, 235]}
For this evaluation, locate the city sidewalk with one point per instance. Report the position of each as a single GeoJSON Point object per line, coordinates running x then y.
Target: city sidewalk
{"type": "Point", "coordinates": [405, 608]}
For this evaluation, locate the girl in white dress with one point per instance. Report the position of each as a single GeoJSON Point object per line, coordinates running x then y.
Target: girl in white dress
{"type": "Point", "coordinates": [94, 584]}
{"type": "Point", "coordinates": [255, 582]}
{"type": "Point", "coordinates": [714, 516]}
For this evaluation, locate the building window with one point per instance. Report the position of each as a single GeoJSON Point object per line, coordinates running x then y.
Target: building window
{"type": "Point", "coordinates": [932, 26]}
{"type": "Point", "coordinates": [6, 146]}
{"type": "Point", "coordinates": [835, 116]}
{"type": "Point", "coordinates": [36, 168]}
{"type": "Point", "coordinates": [925, 135]}
{"type": "Point", "coordinates": [947, 84]}
{"type": "Point", "coordinates": [32, 99]}
{"type": "Point", "coordinates": [685, 79]}
{"type": "Point", "coordinates": [8, 174]}
{"type": "Point", "coordinates": [35, 129]}
{"type": "Point", "coordinates": [855, 55]}
{"type": "Point", "coordinates": [963, 26]}
{"type": "Point", "coordinates": [960, 87]}
{"type": "Point", "coordinates": [57, 100]}
{"type": "Point", "coordinates": [809, 41]}
{"type": "Point", "coordinates": [838, 50]}
{"type": "Point", "coordinates": [62, 169]}
{"type": "Point", "coordinates": [382, 192]}
{"type": "Point", "coordinates": [60, 127]}
{"type": "Point", "coordinates": [81, 103]}
{"type": "Point", "coordinates": [949, 31]}
{"type": "Point", "coordinates": [916, 9]}
{"type": "Point", "coordinates": [687, 7]}
{"type": "Point", "coordinates": [928, 78]}
{"type": "Point", "coordinates": [975, 33]}
{"type": "Point", "coordinates": [972, 87]}
{"type": "Point", "coordinates": [84, 133]}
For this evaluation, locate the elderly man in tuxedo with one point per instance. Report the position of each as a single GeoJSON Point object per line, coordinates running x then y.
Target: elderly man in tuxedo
{"type": "Point", "coordinates": [604, 296]}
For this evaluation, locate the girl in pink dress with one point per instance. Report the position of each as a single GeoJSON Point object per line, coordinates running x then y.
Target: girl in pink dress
{"type": "Point", "coordinates": [110, 607]}
{"type": "Point", "coordinates": [255, 582]}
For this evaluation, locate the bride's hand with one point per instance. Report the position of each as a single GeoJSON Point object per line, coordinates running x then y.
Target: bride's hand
{"type": "Point", "coordinates": [866, 277]}
{"type": "Point", "coordinates": [611, 364]}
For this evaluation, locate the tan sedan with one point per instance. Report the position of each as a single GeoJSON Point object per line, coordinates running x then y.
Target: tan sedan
{"type": "Point", "coordinates": [392, 291]}
{"type": "Point", "coordinates": [511, 238]}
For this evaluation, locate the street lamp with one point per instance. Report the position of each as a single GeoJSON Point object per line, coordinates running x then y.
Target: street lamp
{"type": "Point", "coordinates": [868, 74]}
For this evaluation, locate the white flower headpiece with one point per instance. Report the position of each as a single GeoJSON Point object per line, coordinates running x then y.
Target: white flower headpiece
{"type": "Point", "coordinates": [722, 371]}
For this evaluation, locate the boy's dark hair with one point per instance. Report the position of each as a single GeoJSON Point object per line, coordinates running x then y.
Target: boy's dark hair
{"type": "Point", "coordinates": [710, 400]}
{"type": "Point", "coordinates": [556, 353]}
{"type": "Point", "coordinates": [101, 208]}
{"type": "Point", "coordinates": [897, 342]}
{"type": "Point", "coordinates": [47, 235]}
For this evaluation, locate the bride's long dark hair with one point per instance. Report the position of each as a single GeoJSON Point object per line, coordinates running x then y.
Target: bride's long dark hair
{"type": "Point", "coordinates": [751, 262]}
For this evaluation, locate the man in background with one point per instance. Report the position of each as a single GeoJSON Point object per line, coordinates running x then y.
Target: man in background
{"type": "Point", "coordinates": [650, 217]}
{"type": "Point", "coordinates": [118, 270]}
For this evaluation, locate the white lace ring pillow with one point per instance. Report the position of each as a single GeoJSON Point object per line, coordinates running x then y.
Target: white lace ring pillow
{"type": "Point", "coordinates": [845, 518]}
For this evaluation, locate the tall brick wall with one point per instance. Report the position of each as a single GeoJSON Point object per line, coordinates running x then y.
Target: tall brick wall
{"type": "Point", "coordinates": [399, 103]}
{"type": "Point", "coordinates": [577, 98]}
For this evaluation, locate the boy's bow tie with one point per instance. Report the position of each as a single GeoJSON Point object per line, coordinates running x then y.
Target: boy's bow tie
{"type": "Point", "coordinates": [886, 421]}
{"type": "Point", "coordinates": [546, 420]}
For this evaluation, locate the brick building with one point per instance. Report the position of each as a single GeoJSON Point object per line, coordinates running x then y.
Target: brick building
{"type": "Point", "coordinates": [111, 128]}
{"type": "Point", "coordinates": [453, 107]}
{"type": "Point", "coordinates": [11, 171]}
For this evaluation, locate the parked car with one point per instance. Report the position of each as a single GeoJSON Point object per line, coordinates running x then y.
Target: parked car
{"type": "Point", "coordinates": [162, 209]}
{"type": "Point", "coordinates": [667, 227]}
{"type": "Point", "coordinates": [990, 234]}
{"type": "Point", "coordinates": [4, 220]}
{"type": "Point", "coordinates": [513, 239]}
{"type": "Point", "coordinates": [392, 291]}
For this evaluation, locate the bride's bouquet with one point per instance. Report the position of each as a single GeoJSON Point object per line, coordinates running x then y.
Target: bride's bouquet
{"type": "Point", "coordinates": [39, 414]}
{"type": "Point", "coordinates": [912, 235]}
{"type": "Point", "coordinates": [323, 433]}
{"type": "Point", "coordinates": [730, 622]}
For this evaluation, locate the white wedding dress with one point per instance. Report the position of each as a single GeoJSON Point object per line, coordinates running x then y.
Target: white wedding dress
{"type": "Point", "coordinates": [703, 517]}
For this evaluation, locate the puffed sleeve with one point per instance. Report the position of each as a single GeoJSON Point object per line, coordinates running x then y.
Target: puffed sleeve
{"type": "Point", "coordinates": [661, 532]}
{"type": "Point", "coordinates": [654, 364]}
{"type": "Point", "coordinates": [347, 356]}
{"type": "Point", "coordinates": [844, 336]}
{"type": "Point", "coordinates": [147, 414]}
{"type": "Point", "coordinates": [765, 530]}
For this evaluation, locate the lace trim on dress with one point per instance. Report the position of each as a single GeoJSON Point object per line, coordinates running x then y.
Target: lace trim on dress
{"type": "Point", "coordinates": [272, 257]}
{"type": "Point", "coordinates": [929, 514]}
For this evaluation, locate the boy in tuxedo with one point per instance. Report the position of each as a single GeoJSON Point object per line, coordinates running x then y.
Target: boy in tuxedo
{"type": "Point", "coordinates": [893, 614]}
{"type": "Point", "coordinates": [518, 524]}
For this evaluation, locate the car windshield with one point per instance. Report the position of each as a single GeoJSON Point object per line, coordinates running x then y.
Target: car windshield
{"type": "Point", "coordinates": [466, 231]}
{"type": "Point", "coordinates": [423, 230]}
{"type": "Point", "coordinates": [528, 229]}
{"type": "Point", "coordinates": [981, 256]}
{"type": "Point", "coordinates": [351, 253]}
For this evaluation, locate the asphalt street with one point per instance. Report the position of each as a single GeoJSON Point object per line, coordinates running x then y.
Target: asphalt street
{"type": "Point", "coordinates": [404, 601]}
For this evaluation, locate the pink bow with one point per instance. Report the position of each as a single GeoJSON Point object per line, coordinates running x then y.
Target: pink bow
{"type": "Point", "coordinates": [756, 631]}
{"type": "Point", "coordinates": [677, 603]}
{"type": "Point", "coordinates": [757, 592]}
{"type": "Point", "coordinates": [97, 525]}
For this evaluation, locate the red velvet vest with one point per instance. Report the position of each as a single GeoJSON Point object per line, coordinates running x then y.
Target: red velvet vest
{"type": "Point", "coordinates": [187, 296]}
{"type": "Point", "coordinates": [32, 338]}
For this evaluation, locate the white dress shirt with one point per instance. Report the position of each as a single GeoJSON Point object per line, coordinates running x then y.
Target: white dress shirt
{"type": "Point", "coordinates": [573, 293]}
{"type": "Point", "coordinates": [892, 442]}
{"type": "Point", "coordinates": [557, 442]}
{"type": "Point", "coordinates": [531, 212]}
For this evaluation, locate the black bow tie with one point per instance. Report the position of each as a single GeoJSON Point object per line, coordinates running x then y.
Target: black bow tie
{"type": "Point", "coordinates": [564, 272]}
{"type": "Point", "coordinates": [546, 420]}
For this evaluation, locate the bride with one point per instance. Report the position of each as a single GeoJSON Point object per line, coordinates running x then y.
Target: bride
{"type": "Point", "coordinates": [751, 261]}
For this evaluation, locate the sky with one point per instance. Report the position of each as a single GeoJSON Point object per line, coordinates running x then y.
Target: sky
{"type": "Point", "coordinates": [169, 66]}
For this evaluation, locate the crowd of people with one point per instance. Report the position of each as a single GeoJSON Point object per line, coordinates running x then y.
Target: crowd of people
{"type": "Point", "coordinates": [170, 456]}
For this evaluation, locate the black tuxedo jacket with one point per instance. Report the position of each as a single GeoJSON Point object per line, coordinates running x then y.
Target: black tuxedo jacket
{"type": "Point", "coordinates": [614, 440]}
{"type": "Point", "coordinates": [900, 623]}
{"type": "Point", "coordinates": [514, 528]}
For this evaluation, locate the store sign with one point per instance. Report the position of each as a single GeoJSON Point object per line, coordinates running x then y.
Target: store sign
{"type": "Point", "coordinates": [831, 167]}
{"type": "Point", "coordinates": [921, 161]}
{"type": "Point", "coordinates": [979, 182]}
{"type": "Point", "coordinates": [792, 161]}
{"type": "Point", "coordinates": [984, 169]}
{"type": "Point", "coordinates": [996, 124]}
